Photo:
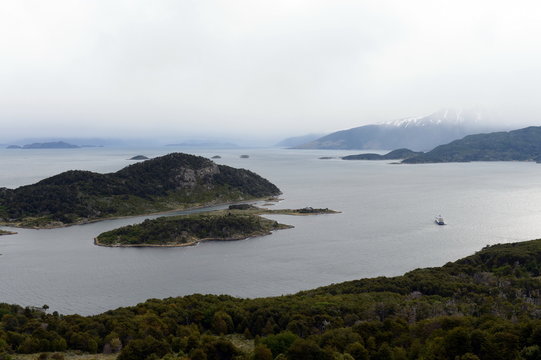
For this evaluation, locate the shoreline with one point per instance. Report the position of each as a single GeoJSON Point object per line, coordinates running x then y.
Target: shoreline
{"type": "Point", "coordinates": [196, 207]}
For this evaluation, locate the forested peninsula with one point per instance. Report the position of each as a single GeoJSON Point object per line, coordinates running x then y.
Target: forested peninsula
{"type": "Point", "coordinates": [237, 223]}
{"type": "Point", "coordinates": [397, 154]}
{"type": "Point", "coordinates": [517, 145]}
{"type": "Point", "coordinates": [170, 182]}
{"type": "Point", "coordinates": [486, 306]}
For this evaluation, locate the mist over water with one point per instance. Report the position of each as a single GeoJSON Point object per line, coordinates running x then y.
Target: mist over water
{"type": "Point", "coordinates": [386, 228]}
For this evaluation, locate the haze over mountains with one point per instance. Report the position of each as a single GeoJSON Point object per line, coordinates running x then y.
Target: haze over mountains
{"type": "Point", "coordinates": [417, 133]}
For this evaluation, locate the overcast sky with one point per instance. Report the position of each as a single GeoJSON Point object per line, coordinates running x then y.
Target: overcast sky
{"type": "Point", "coordinates": [183, 68]}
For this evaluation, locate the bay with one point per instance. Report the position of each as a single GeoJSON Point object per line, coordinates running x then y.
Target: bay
{"type": "Point", "coordinates": [386, 228]}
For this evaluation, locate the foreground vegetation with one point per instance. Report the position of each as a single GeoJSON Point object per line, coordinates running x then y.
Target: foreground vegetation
{"type": "Point", "coordinates": [485, 306]}
{"type": "Point", "coordinates": [174, 181]}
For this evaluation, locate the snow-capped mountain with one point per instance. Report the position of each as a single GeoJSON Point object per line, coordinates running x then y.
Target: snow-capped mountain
{"type": "Point", "coordinates": [416, 133]}
{"type": "Point", "coordinates": [461, 117]}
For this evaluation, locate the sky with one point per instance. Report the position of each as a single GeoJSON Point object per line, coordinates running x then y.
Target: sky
{"type": "Point", "coordinates": [183, 69]}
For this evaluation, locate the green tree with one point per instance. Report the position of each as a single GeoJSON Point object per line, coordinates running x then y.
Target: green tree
{"type": "Point", "coordinates": [261, 352]}
{"type": "Point", "coordinates": [358, 351]}
{"type": "Point", "coordinates": [279, 343]}
{"type": "Point", "coordinates": [222, 323]}
{"type": "Point", "coordinates": [140, 349]}
{"type": "Point", "coordinates": [303, 349]}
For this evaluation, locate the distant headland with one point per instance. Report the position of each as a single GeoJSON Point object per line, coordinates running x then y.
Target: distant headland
{"type": "Point", "coordinates": [50, 145]}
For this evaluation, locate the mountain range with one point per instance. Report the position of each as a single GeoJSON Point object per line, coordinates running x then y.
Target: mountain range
{"type": "Point", "coordinates": [417, 133]}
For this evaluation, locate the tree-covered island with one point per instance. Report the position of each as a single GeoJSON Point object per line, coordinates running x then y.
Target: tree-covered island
{"type": "Point", "coordinates": [237, 223]}
{"type": "Point", "coordinates": [170, 182]}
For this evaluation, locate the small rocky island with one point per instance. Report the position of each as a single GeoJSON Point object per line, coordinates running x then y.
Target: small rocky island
{"type": "Point", "coordinates": [237, 223]}
{"type": "Point", "coordinates": [138, 157]}
{"type": "Point", "coordinates": [4, 232]}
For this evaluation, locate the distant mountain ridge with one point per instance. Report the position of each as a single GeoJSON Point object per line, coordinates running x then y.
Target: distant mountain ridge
{"type": "Point", "coordinates": [164, 183]}
{"type": "Point", "coordinates": [517, 145]}
{"type": "Point", "coordinates": [297, 140]}
{"type": "Point", "coordinates": [416, 133]}
{"type": "Point", "coordinates": [397, 154]}
{"type": "Point", "coordinates": [46, 145]}
{"type": "Point", "coordinates": [50, 145]}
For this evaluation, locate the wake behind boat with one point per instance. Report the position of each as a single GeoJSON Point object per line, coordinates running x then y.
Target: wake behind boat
{"type": "Point", "coordinates": [439, 220]}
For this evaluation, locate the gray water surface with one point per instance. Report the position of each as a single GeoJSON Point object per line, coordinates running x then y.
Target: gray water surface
{"type": "Point", "coordinates": [386, 228]}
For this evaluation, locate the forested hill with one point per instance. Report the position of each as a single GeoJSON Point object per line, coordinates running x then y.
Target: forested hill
{"type": "Point", "coordinates": [165, 183]}
{"type": "Point", "coordinates": [486, 306]}
{"type": "Point", "coordinates": [523, 145]}
{"type": "Point", "coordinates": [397, 154]}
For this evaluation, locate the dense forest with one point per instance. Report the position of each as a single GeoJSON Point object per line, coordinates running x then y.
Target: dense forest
{"type": "Point", "coordinates": [165, 183]}
{"type": "Point", "coordinates": [486, 306]}
{"type": "Point", "coordinates": [189, 229]}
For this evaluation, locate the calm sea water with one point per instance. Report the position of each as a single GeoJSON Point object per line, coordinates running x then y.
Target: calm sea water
{"type": "Point", "coordinates": [386, 228]}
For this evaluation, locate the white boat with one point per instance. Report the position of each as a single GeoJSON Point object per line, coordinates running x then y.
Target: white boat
{"type": "Point", "coordinates": [439, 220]}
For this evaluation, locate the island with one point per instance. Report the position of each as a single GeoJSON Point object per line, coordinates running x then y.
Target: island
{"type": "Point", "coordinates": [189, 230]}
{"type": "Point", "coordinates": [138, 157]}
{"type": "Point", "coordinates": [216, 157]}
{"type": "Point", "coordinates": [238, 222]}
{"type": "Point", "coordinates": [4, 232]}
{"type": "Point", "coordinates": [393, 155]}
{"type": "Point", "coordinates": [517, 145]}
{"type": "Point", "coordinates": [171, 182]}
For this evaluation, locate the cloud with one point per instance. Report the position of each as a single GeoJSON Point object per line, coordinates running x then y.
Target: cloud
{"type": "Point", "coordinates": [252, 67]}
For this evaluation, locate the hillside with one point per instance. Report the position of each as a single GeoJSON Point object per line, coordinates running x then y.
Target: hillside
{"type": "Point", "coordinates": [518, 145]}
{"type": "Point", "coordinates": [398, 154]}
{"type": "Point", "coordinates": [164, 183]}
{"type": "Point", "coordinates": [486, 306]}
{"type": "Point", "coordinates": [417, 133]}
{"type": "Point", "coordinates": [297, 140]}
